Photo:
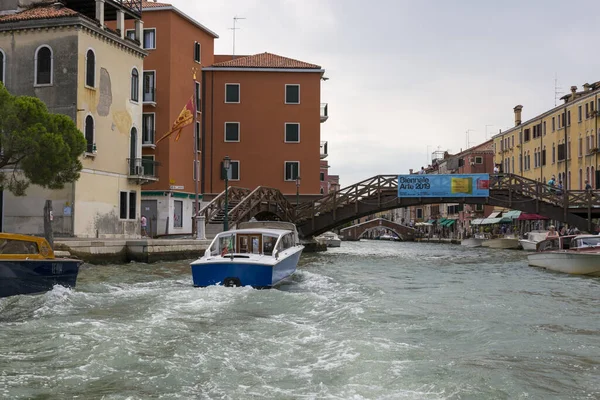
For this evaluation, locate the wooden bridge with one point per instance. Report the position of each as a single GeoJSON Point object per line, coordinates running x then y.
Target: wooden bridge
{"type": "Point", "coordinates": [380, 193]}
{"type": "Point", "coordinates": [354, 232]}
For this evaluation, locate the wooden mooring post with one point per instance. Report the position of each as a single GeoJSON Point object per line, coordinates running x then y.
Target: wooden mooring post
{"type": "Point", "coordinates": [48, 218]}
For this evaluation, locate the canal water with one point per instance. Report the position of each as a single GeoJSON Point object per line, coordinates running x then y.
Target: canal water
{"type": "Point", "coordinates": [370, 320]}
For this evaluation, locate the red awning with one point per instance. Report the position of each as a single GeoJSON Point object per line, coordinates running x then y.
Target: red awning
{"type": "Point", "coordinates": [530, 217]}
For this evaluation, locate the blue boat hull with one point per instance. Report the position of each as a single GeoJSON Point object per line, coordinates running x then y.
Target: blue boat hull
{"type": "Point", "coordinates": [36, 276]}
{"type": "Point", "coordinates": [234, 273]}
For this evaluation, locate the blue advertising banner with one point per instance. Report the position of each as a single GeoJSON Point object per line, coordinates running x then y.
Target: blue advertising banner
{"type": "Point", "coordinates": [454, 185]}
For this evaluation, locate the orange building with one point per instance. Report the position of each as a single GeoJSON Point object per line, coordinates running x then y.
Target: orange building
{"type": "Point", "coordinates": [263, 111]}
{"type": "Point", "coordinates": [178, 46]}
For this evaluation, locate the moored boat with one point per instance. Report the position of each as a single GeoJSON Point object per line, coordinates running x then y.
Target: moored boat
{"type": "Point", "coordinates": [578, 255]}
{"type": "Point", "coordinates": [259, 254]}
{"type": "Point", "coordinates": [474, 241]}
{"type": "Point", "coordinates": [531, 239]}
{"type": "Point", "coordinates": [330, 239]}
{"type": "Point", "coordinates": [28, 266]}
{"type": "Point", "coordinates": [506, 242]}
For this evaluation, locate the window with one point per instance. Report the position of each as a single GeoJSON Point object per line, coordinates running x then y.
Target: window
{"type": "Point", "coordinates": [292, 94]}
{"type": "Point", "coordinates": [232, 93]}
{"type": "Point", "coordinates": [2, 65]}
{"type": "Point", "coordinates": [553, 153]}
{"type": "Point", "coordinates": [43, 66]}
{"type": "Point", "coordinates": [90, 69]}
{"type": "Point", "coordinates": [149, 86]}
{"type": "Point", "coordinates": [478, 160]}
{"type": "Point", "coordinates": [89, 133]}
{"type": "Point", "coordinates": [130, 33]}
{"type": "Point", "coordinates": [148, 128]}
{"type": "Point", "coordinates": [198, 97]}
{"type": "Point", "coordinates": [569, 118]}
{"type": "Point", "coordinates": [292, 132]}
{"type": "Point", "coordinates": [292, 170]}
{"type": "Point", "coordinates": [322, 191]}
{"type": "Point", "coordinates": [478, 207]}
{"type": "Point", "coordinates": [544, 128]}
{"type": "Point", "coordinates": [234, 171]}
{"type": "Point", "coordinates": [322, 176]}
{"type": "Point", "coordinates": [127, 205]}
{"type": "Point", "coordinates": [419, 213]}
{"type": "Point", "coordinates": [232, 131]}
{"type": "Point", "coordinates": [135, 85]}
{"type": "Point", "coordinates": [553, 124]}
{"type": "Point", "coordinates": [197, 52]}
{"type": "Point", "coordinates": [580, 147]}
{"type": "Point", "coordinates": [132, 204]}
{"type": "Point", "coordinates": [150, 39]}
{"type": "Point", "coordinates": [178, 214]}
{"type": "Point", "coordinates": [579, 114]}
{"type": "Point", "coordinates": [561, 152]}
{"type": "Point", "coordinates": [197, 136]}
{"type": "Point", "coordinates": [123, 205]}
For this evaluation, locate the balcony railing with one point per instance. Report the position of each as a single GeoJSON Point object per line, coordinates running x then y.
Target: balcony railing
{"type": "Point", "coordinates": [324, 114]}
{"type": "Point", "coordinates": [134, 6]}
{"type": "Point", "coordinates": [149, 96]}
{"type": "Point", "coordinates": [143, 169]}
{"type": "Point", "coordinates": [323, 150]}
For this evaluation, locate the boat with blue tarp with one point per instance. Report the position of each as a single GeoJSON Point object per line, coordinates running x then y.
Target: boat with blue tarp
{"type": "Point", "coordinates": [28, 266]}
{"type": "Point", "coordinates": [259, 254]}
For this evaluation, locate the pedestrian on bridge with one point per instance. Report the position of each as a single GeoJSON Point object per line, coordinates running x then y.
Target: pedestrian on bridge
{"type": "Point", "coordinates": [588, 187]}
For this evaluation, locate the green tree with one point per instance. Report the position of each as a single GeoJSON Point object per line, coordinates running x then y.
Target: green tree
{"type": "Point", "coordinates": [36, 146]}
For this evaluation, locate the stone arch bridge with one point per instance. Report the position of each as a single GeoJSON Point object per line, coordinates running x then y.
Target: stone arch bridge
{"type": "Point", "coordinates": [380, 193]}
{"type": "Point", "coordinates": [354, 232]}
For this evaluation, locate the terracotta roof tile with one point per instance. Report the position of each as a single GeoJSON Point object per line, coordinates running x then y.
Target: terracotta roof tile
{"type": "Point", "coordinates": [152, 4]}
{"type": "Point", "coordinates": [44, 11]}
{"type": "Point", "coordinates": [265, 60]}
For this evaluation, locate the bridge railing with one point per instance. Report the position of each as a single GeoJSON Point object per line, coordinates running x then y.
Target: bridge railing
{"type": "Point", "coordinates": [261, 194]}
{"type": "Point", "coordinates": [217, 205]}
{"type": "Point", "coordinates": [374, 188]}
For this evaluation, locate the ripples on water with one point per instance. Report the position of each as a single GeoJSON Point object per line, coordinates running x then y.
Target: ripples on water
{"type": "Point", "coordinates": [370, 320]}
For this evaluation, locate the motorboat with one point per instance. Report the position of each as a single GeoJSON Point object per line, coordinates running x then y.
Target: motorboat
{"type": "Point", "coordinates": [28, 266]}
{"type": "Point", "coordinates": [258, 254]}
{"type": "Point", "coordinates": [386, 236]}
{"type": "Point", "coordinates": [531, 239]}
{"type": "Point", "coordinates": [474, 241]}
{"type": "Point", "coordinates": [330, 239]}
{"type": "Point", "coordinates": [572, 254]}
{"type": "Point", "coordinates": [503, 242]}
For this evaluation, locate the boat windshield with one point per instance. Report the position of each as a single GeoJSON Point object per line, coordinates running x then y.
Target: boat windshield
{"type": "Point", "coordinates": [224, 245]}
{"type": "Point", "coordinates": [11, 246]}
{"type": "Point", "coordinates": [269, 244]}
{"type": "Point", "coordinates": [587, 242]}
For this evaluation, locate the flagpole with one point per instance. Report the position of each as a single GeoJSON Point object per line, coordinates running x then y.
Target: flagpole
{"type": "Point", "coordinates": [199, 233]}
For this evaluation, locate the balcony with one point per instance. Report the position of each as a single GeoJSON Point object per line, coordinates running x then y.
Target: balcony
{"type": "Point", "coordinates": [142, 170]}
{"type": "Point", "coordinates": [323, 150]}
{"type": "Point", "coordinates": [131, 8]}
{"type": "Point", "coordinates": [149, 96]}
{"type": "Point", "coordinates": [324, 114]}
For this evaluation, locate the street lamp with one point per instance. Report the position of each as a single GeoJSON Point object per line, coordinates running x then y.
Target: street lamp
{"type": "Point", "coordinates": [226, 165]}
{"type": "Point", "coordinates": [297, 190]}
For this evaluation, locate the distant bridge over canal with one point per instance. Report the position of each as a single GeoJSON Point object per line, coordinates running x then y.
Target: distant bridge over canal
{"type": "Point", "coordinates": [355, 232]}
{"type": "Point", "coordinates": [380, 193]}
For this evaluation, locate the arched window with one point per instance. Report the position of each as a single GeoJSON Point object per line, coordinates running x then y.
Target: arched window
{"type": "Point", "coordinates": [135, 85]}
{"type": "Point", "coordinates": [2, 65]}
{"type": "Point", "coordinates": [90, 68]}
{"type": "Point", "coordinates": [580, 179]}
{"type": "Point", "coordinates": [43, 66]}
{"type": "Point", "coordinates": [89, 133]}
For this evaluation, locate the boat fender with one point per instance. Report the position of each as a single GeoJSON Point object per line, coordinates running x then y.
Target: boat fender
{"type": "Point", "coordinates": [232, 282]}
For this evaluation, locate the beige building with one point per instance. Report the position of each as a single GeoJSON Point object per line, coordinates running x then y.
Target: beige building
{"type": "Point", "coordinates": [65, 55]}
{"type": "Point", "coordinates": [562, 142]}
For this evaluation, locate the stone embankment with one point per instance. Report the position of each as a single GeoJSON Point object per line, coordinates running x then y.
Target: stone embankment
{"type": "Point", "coordinates": [115, 251]}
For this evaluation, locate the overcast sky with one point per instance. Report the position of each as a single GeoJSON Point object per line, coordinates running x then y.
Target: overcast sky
{"type": "Point", "coordinates": [409, 77]}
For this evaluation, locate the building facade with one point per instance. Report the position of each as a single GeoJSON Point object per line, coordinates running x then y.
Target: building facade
{"type": "Point", "coordinates": [561, 142]}
{"type": "Point", "coordinates": [64, 54]}
{"type": "Point", "coordinates": [178, 48]}
{"type": "Point", "coordinates": [264, 112]}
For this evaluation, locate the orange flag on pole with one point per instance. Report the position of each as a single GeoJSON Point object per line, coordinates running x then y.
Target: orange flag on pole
{"type": "Point", "coordinates": [185, 118]}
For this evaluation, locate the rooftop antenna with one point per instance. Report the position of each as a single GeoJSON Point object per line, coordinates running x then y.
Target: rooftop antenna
{"type": "Point", "coordinates": [557, 89]}
{"type": "Point", "coordinates": [235, 19]}
{"type": "Point", "coordinates": [487, 126]}
{"type": "Point", "coordinates": [469, 142]}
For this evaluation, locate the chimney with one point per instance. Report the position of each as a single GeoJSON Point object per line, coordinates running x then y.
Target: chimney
{"type": "Point", "coordinates": [410, 171]}
{"type": "Point", "coordinates": [573, 93]}
{"type": "Point", "coordinates": [587, 86]}
{"type": "Point", "coordinates": [517, 110]}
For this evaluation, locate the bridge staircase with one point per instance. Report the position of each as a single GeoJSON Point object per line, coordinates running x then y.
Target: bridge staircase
{"type": "Point", "coordinates": [243, 204]}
